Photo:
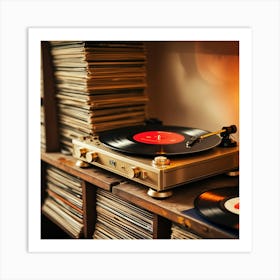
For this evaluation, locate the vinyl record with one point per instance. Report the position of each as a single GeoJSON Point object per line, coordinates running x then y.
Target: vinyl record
{"type": "Point", "coordinates": [220, 206]}
{"type": "Point", "coordinates": [153, 140]}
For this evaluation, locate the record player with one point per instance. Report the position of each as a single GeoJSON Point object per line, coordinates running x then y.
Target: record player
{"type": "Point", "coordinates": [158, 156]}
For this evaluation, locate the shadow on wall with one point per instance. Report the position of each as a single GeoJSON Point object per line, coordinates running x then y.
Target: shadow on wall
{"type": "Point", "coordinates": [194, 84]}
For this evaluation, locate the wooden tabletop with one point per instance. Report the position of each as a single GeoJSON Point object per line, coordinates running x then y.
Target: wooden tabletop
{"type": "Point", "coordinates": [94, 175]}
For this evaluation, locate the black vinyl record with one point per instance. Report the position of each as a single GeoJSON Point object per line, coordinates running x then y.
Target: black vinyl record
{"type": "Point", "coordinates": [220, 206]}
{"type": "Point", "coordinates": [153, 140]}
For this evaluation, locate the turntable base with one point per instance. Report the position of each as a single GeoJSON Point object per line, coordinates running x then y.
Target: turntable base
{"type": "Point", "coordinates": [159, 173]}
{"type": "Point", "coordinates": [159, 194]}
{"type": "Point", "coordinates": [82, 164]}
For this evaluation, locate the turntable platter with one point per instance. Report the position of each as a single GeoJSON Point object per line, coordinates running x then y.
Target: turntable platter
{"type": "Point", "coordinates": [153, 140]}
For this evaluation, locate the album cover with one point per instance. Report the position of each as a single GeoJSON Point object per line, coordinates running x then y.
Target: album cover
{"type": "Point", "coordinates": [179, 232]}
{"type": "Point", "coordinates": [64, 204]}
{"type": "Point", "coordinates": [119, 219]}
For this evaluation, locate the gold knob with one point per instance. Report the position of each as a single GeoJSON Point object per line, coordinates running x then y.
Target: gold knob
{"type": "Point", "coordinates": [134, 172]}
{"type": "Point", "coordinates": [161, 161]}
{"type": "Point", "coordinates": [81, 152]}
{"type": "Point", "coordinates": [91, 156]}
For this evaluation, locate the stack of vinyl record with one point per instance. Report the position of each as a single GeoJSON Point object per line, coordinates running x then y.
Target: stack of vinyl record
{"type": "Point", "coordinates": [100, 86]}
{"type": "Point", "coordinates": [118, 219]}
{"type": "Point", "coordinates": [64, 201]}
{"type": "Point", "coordinates": [42, 118]}
{"type": "Point", "coordinates": [43, 135]}
{"type": "Point", "coordinates": [178, 232]}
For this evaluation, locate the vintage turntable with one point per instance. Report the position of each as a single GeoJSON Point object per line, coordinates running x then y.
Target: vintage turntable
{"type": "Point", "coordinates": [160, 157]}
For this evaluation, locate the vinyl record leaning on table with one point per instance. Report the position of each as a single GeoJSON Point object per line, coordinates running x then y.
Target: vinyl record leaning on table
{"type": "Point", "coordinates": [153, 140]}
{"type": "Point", "coordinates": [220, 206]}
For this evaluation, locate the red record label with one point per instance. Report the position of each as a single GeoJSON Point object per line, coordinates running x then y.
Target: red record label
{"type": "Point", "coordinates": [158, 137]}
{"type": "Point", "coordinates": [232, 205]}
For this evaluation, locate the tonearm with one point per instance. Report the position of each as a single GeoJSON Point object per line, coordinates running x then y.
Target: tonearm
{"type": "Point", "coordinates": [224, 132]}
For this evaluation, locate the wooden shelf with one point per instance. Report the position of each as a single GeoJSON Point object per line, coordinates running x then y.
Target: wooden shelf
{"type": "Point", "coordinates": [93, 175]}
{"type": "Point", "coordinates": [177, 209]}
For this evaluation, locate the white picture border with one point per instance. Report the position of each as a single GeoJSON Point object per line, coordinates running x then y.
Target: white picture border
{"type": "Point", "coordinates": [261, 17]}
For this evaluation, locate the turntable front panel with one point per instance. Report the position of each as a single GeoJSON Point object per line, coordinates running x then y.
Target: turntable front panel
{"type": "Point", "coordinates": [142, 170]}
{"type": "Point", "coordinates": [219, 161]}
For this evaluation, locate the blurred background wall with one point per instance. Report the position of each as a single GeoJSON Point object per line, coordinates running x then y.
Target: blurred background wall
{"type": "Point", "coordinates": [194, 84]}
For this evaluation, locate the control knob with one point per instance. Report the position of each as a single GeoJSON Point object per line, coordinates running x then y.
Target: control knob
{"type": "Point", "coordinates": [91, 156]}
{"type": "Point", "coordinates": [81, 152]}
{"type": "Point", "coordinates": [133, 172]}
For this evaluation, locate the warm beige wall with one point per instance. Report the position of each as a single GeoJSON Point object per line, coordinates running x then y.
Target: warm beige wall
{"type": "Point", "coordinates": [194, 84]}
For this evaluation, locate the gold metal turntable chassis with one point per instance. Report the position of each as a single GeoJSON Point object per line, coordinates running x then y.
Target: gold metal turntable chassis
{"type": "Point", "coordinates": [160, 174]}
